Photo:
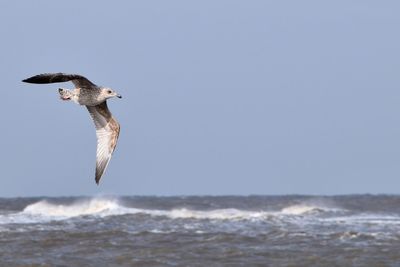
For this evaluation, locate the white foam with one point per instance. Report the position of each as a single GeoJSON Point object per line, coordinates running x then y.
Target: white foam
{"type": "Point", "coordinates": [43, 211]}
{"type": "Point", "coordinates": [94, 206]}
{"type": "Point", "coordinates": [298, 209]}
{"type": "Point", "coordinates": [301, 209]}
{"type": "Point", "coordinates": [219, 214]}
{"type": "Point", "coordinates": [107, 207]}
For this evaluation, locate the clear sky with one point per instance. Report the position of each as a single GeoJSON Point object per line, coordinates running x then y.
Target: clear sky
{"type": "Point", "coordinates": [219, 97]}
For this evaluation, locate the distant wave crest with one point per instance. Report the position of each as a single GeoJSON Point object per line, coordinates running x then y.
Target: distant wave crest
{"type": "Point", "coordinates": [107, 207]}
{"type": "Point", "coordinates": [45, 210]}
{"type": "Point", "coordinates": [301, 209]}
{"type": "Point", "coordinates": [298, 213]}
{"type": "Point", "coordinates": [80, 208]}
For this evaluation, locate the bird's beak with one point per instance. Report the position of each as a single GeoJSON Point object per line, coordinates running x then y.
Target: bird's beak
{"type": "Point", "coordinates": [119, 96]}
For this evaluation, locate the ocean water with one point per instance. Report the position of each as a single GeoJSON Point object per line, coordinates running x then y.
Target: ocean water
{"type": "Point", "coordinates": [354, 230]}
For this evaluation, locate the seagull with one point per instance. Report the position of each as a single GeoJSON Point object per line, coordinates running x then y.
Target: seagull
{"type": "Point", "coordinates": [95, 99]}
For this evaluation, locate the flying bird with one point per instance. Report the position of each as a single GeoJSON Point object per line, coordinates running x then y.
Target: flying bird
{"type": "Point", "coordinates": [95, 99]}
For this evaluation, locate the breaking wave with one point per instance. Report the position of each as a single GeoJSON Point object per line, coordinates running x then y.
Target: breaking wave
{"type": "Point", "coordinates": [109, 207]}
{"type": "Point", "coordinates": [46, 211]}
{"type": "Point", "coordinates": [300, 213]}
{"type": "Point", "coordinates": [301, 209]}
{"type": "Point", "coordinates": [81, 208]}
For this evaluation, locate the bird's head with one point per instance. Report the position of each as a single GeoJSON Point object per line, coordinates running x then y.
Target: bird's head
{"type": "Point", "coordinates": [109, 93]}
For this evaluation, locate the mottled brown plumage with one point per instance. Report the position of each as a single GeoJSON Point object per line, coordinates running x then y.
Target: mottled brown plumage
{"type": "Point", "coordinates": [107, 131]}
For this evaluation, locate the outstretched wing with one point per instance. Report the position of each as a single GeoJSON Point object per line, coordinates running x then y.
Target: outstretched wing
{"type": "Point", "coordinates": [78, 80]}
{"type": "Point", "coordinates": [107, 131]}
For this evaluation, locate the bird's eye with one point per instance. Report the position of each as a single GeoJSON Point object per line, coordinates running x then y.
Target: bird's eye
{"type": "Point", "coordinates": [109, 91]}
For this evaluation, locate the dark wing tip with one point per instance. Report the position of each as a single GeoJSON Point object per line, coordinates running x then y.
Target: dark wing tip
{"type": "Point", "coordinates": [46, 78]}
{"type": "Point", "coordinates": [58, 77]}
{"type": "Point", "coordinates": [97, 178]}
{"type": "Point", "coordinates": [30, 80]}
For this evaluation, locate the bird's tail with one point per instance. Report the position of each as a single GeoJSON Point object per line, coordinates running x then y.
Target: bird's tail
{"type": "Point", "coordinates": [65, 94]}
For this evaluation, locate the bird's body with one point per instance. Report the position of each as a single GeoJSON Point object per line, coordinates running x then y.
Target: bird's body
{"type": "Point", "coordinates": [95, 99]}
{"type": "Point", "coordinates": [82, 97]}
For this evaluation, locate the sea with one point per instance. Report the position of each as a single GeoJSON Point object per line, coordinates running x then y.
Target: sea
{"type": "Point", "coordinates": [290, 230]}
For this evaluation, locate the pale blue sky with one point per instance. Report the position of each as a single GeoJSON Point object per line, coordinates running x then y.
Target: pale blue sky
{"type": "Point", "coordinates": [219, 97]}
